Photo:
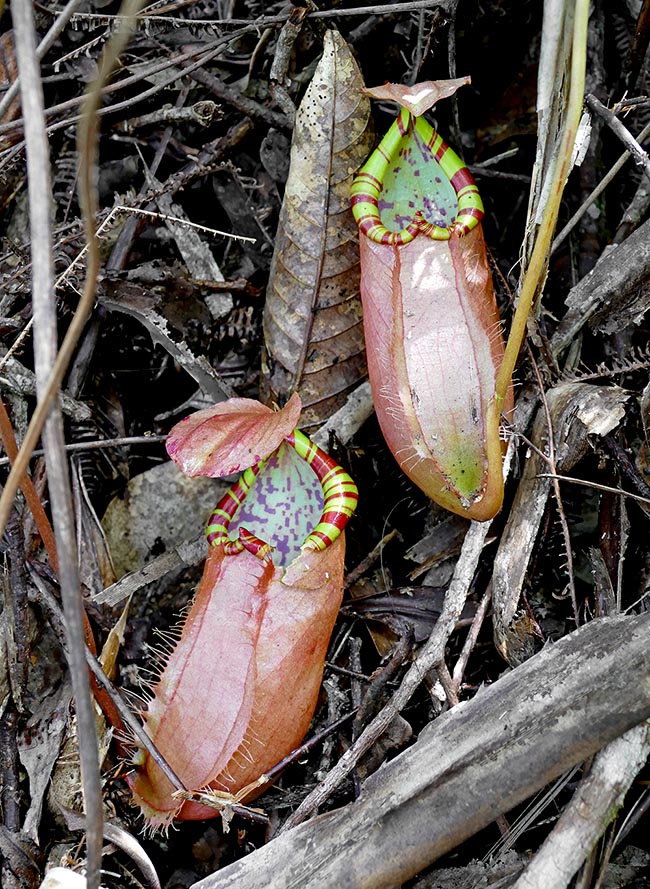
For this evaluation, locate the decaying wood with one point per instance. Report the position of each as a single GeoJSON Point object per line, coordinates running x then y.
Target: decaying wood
{"type": "Point", "coordinates": [190, 552]}
{"type": "Point", "coordinates": [475, 762]}
{"type": "Point", "coordinates": [577, 410]}
{"type": "Point", "coordinates": [614, 287]}
{"type": "Point", "coordinates": [594, 804]}
{"type": "Point", "coordinates": [499, 874]}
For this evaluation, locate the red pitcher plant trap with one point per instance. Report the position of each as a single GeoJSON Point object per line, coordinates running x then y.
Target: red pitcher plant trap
{"type": "Point", "coordinates": [431, 323]}
{"type": "Point", "coordinates": [239, 689]}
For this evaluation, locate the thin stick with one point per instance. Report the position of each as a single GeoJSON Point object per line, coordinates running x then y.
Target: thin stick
{"type": "Point", "coordinates": [598, 190]}
{"type": "Point", "coordinates": [596, 485]}
{"type": "Point", "coordinates": [28, 489]}
{"type": "Point", "coordinates": [215, 232]}
{"type": "Point", "coordinates": [265, 21]}
{"type": "Point", "coordinates": [619, 129]}
{"type": "Point", "coordinates": [57, 27]}
{"type": "Point", "coordinates": [367, 563]}
{"type": "Point", "coordinates": [100, 444]}
{"type": "Point", "coordinates": [539, 256]}
{"type": "Point", "coordinates": [129, 721]}
{"type": "Point", "coordinates": [132, 723]}
{"type": "Point", "coordinates": [461, 664]}
{"type": "Point", "coordinates": [87, 154]}
{"type": "Point", "coordinates": [447, 684]}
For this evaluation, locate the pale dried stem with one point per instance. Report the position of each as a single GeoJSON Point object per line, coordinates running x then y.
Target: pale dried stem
{"type": "Point", "coordinates": [49, 372]}
{"type": "Point", "coordinates": [539, 257]}
{"type": "Point", "coordinates": [45, 343]}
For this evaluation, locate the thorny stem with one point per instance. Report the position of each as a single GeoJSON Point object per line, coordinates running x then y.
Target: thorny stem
{"type": "Point", "coordinates": [539, 257]}
{"type": "Point", "coordinates": [550, 459]}
{"type": "Point", "coordinates": [265, 21]}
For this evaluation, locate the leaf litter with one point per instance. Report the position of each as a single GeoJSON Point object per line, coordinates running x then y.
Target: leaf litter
{"type": "Point", "coordinates": [154, 351]}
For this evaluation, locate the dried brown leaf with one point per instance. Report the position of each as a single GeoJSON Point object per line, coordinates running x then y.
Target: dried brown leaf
{"type": "Point", "coordinates": [312, 319]}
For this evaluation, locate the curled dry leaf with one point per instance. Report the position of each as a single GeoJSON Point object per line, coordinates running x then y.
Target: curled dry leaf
{"type": "Point", "coordinates": [312, 318]}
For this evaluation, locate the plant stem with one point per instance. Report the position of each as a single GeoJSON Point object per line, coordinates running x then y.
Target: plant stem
{"type": "Point", "coordinates": [45, 345]}
{"type": "Point", "coordinates": [539, 258]}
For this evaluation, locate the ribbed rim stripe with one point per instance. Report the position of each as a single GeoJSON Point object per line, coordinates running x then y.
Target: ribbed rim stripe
{"type": "Point", "coordinates": [340, 497]}
{"type": "Point", "coordinates": [367, 187]}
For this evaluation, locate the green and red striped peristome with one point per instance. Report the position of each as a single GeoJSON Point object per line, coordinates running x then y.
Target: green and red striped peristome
{"type": "Point", "coordinates": [428, 183]}
{"type": "Point", "coordinates": [281, 471]}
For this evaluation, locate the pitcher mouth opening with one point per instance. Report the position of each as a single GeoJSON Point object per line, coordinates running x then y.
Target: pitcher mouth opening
{"type": "Point", "coordinates": [372, 207]}
{"type": "Point", "coordinates": [339, 497]}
